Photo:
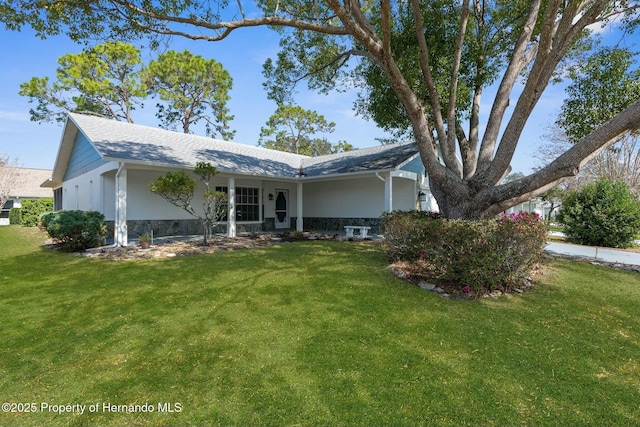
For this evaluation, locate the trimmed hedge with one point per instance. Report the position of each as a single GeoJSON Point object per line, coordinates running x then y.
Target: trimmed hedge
{"type": "Point", "coordinates": [471, 256]}
{"type": "Point", "coordinates": [33, 209]}
{"type": "Point", "coordinates": [15, 216]}
{"type": "Point", "coordinates": [75, 230]}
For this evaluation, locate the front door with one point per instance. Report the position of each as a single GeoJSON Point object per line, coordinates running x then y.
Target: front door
{"type": "Point", "coordinates": [282, 209]}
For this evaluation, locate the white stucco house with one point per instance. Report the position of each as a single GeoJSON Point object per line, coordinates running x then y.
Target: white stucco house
{"type": "Point", "coordinates": [107, 166]}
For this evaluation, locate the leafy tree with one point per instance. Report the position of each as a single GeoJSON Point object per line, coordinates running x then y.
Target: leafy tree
{"type": "Point", "coordinates": [291, 128]}
{"type": "Point", "coordinates": [8, 178]}
{"type": "Point", "coordinates": [178, 189]}
{"type": "Point", "coordinates": [601, 86]}
{"type": "Point", "coordinates": [102, 80]}
{"type": "Point", "coordinates": [436, 57]}
{"type": "Point", "coordinates": [602, 213]}
{"type": "Point", "coordinates": [191, 86]}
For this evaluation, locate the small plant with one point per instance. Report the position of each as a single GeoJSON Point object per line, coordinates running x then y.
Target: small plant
{"type": "Point", "coordinates": [145, 241]}
{"type": "Point", "coordinates": [178, 189]}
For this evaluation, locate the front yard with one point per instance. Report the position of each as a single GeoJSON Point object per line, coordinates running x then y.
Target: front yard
{"type": "Point", "coordinates": [309, 333]}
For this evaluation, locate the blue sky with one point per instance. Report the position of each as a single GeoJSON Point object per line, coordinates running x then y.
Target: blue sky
{"type": "Point", "coordinates": [242, 54]}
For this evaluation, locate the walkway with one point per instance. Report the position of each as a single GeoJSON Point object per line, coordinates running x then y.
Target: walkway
{"type": "Point", "coordinates": [595, 253]}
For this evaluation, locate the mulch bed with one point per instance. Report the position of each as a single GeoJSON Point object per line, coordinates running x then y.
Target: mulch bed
{"type": "Point", "coordinates": [168, 248]}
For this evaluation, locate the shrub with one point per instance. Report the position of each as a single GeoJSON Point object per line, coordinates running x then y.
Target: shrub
{"type": "Point", "coordinates": [474, 256]}
{"type": "Point", "coordinates": [15, 216]}
{"type": "Point", "coordinates": [32, 210]}
{"type": "Point", "coordinates": [601, 214]}
{"type": "Point", "coordinates": [75, 230]}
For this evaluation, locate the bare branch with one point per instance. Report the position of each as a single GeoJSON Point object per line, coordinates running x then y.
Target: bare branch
{"type": "Point", "coordinates": [425, 67]}
{"type": "Point", "coordinates": [569, 163]}
{"type": "Point", "coordinates": [225, 27]}
{"type": "Point", "coordinates": [453, 87]}
{"type": "Point", "coordinates": [516, 64]}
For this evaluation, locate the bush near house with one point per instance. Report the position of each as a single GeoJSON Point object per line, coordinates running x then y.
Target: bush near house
{"type": "Point", "coordinates": [15, 216]}
{"type": "Point", "coordinates": [33, 209]}
{"type": "Point", "coordinates": [602, 213]}
{"type": "Point", "coordinates": [471, 256]}
{"type": "Point", "coordinates": [75, 230]}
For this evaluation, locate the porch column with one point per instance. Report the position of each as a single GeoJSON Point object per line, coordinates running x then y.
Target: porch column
{"type": "Point", "coordinates": [120, 229]}
{"type": "Point", "coordinates": [231, 214]}
{"type": "Point", "coordinates": [299, 226]}
{"type": "Point", "coordinates": [388, 193]}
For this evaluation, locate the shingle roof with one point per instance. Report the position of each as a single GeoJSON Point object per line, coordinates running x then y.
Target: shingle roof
{"type": "Point", "coordinates": [27, 183]}
{"type": "Point", "coordinates": [126, 142]}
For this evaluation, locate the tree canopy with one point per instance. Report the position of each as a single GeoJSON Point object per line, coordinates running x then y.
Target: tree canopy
{"type": "Point", "coordinates": [102, 80]}
{"type": "Point", "coordinates": [601, 86]}
{"type": "Point", "coordinates": [292, 128]}
{"type": "Point", "coordinates": [192, 89]}
{"type": "Point", "coordinates": [425, 64]}
{"type": "Point", "coordinates": [110, 80]}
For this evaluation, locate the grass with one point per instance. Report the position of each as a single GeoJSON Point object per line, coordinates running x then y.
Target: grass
{"type": "Point", "coordinates": [309, 333]}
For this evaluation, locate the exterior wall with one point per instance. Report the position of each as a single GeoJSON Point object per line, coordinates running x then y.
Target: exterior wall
{"type": "Point", "coordinates": [354, 198]}
{"type": "Point", "coordinates": [405, 195]}
{"type": "Point", "coordinates": [177, 227]}
{"type": "Point", "coordinates": [534, 205]}
{"type": "Point", "coordinates": [414, 166]}
{"type": "Point", "coordinates": [337, 224]}
{"type": "Point", "coordinates": [85, 192]}
{"type": "Point", "coordinates": [84, 158]}
{"type": "Point", "coordinates": [327, 205]}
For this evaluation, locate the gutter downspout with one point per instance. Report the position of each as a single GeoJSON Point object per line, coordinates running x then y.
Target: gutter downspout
{"type": "Point", "coordinates": [115, 243]}
{"type": "Point", "coordinates": [120, 229]}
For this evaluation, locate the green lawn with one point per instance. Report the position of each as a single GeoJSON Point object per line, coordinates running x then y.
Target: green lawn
{"type": "Point", "coordinates": [311, 334]}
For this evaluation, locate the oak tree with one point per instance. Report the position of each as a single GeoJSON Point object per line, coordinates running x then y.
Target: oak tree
{"type": "Point", "coordinates": [437, 58]}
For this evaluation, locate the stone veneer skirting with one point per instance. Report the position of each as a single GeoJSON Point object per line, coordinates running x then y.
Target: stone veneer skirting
{"type": "Point", "coordinates": [337, 224]}
{"type": "Point", "coordinates": [184, 227]}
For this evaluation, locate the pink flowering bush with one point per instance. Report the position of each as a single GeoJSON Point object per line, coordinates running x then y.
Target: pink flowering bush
{"type": "Point", "coordinates": [472, 256]}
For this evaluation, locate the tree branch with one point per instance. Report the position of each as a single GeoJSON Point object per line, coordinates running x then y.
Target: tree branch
{"type": "Point", "coordinates": [567, 164]}
{"type": "Point", "coordinates": [555, 40]}
{"type": "Point", "coordinates": [516, 64]}
{"type": "Point", "coordinates": [434, 98]}
{"type": "Point", "coordinates": [225, 27]}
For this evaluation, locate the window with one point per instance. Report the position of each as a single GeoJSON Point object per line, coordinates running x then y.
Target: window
{"type": "Point", "coordinates": [57, 199]}
{"type": "Point", "coordinates": [247, 203]}
{"type": "Point", "coordinates": [4, 212]}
